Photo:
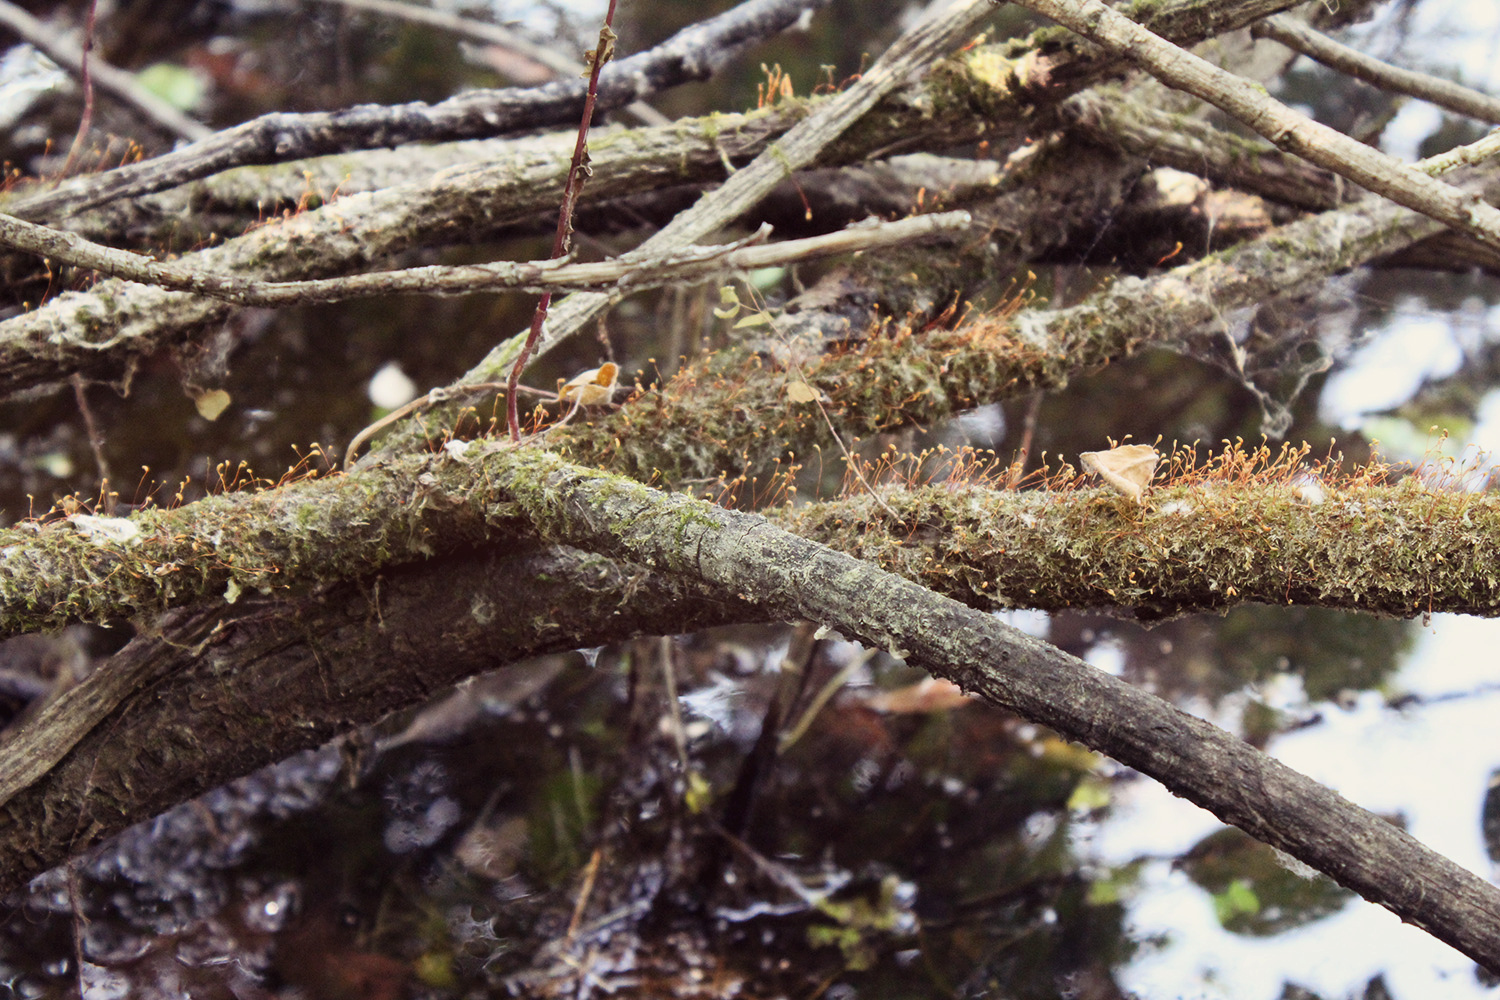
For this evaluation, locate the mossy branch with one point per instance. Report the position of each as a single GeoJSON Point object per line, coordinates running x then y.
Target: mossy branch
{"type": "Point", "coordinates": [212, 693]}
{"type": "Point", "coordinates": [1401, 550]}
{"type": "Point", "coordinates": [789, 576]}
{"type": "Point", "coordinates": [1206, 544]}
{"type": "Point", "coordinates": [729, 415]}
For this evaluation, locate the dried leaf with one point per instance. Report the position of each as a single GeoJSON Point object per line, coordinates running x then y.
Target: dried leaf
{"type": "Point", "coordinates": [1127, 468]}
{"type": "Point", "coordinates": [801, 392]}
{"type": "Point", "coordinates": [931, 694]}
{"type": "Point", "coordinates": [211, 404]}
{"type": "Point", "coordinates": [594, 387]}
{"type": "Point", "coordinates": [730, 299]}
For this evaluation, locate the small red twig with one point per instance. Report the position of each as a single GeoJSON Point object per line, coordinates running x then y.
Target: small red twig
{"type": "Point", "coordinates": [578, 171]}
{"type": "Point", "coordinates": [87, 118]}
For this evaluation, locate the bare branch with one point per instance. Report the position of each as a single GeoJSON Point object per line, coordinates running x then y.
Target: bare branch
{"type": "Point", "coordinates": [1316, 45]}
{"type": "Point", "coordinates": [695, 53]}
{"type": "Point", "coordinates": [1371, 169]}
{"type": "Point", "coordinates": [638, 269]}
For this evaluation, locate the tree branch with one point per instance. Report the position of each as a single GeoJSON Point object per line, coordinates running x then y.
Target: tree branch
{"type": "Point", "coordinates": [1368, 167]}
{"type": "Point", "coordinates": [790, 576]}
{"type": "Point", "coordinates": [695, 53]}
{"type": "Point", "coordinates": [1314, 44]}
{"type": "Point", "coordinates": [1198, 545]}
{"type": "Point", "coordinates": [636, 270]}
{"type": "Point", "coordinates": [214, 693]}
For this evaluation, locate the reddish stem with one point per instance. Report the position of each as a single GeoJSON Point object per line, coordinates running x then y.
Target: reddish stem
{"type": "Point", "coordinates": [87, 118]}
{"type": "Point", "coordinates": [577, 172]}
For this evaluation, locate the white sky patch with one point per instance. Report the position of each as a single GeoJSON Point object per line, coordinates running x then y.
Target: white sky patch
{"type": "Point", "coordinates": [1429, 763]}
{"type": "Point", "coordinates": [1406, 132]}
{"type": "Point", "coordinates": [390, 387]}
{"type": "Point", "coordinates": [1032, 622]}
{"type": "Point", "coordinates": [1413, 346]}
{"type": "Point", "coordinates": [1108, 655]}
{"type": "Point", "coordinates": [1486, 433]}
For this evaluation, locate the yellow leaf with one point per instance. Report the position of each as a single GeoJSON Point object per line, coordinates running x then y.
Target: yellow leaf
{"type": "Point", "coordinates": [211, 404]}
{"type": "Point", "coordinates": [730, 299]}
{"type": "Point", "coordinates": [801, 392]}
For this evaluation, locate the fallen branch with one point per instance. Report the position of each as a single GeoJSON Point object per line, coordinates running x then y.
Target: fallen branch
{"type": "Point", "coordinates": [639, 269]}
{"type": "Point", "coordinates": [1295, 133]}
{"type": "Point", "coordinates": [793, 578]}
{"type": "Point", "coordinates": [1315, 45]}
{"type": "Point", "coordinates": [695, 53]}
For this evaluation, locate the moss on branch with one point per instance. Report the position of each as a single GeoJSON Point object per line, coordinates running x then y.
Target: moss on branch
{"type": "Point", "coordinates": [1397, 550]}
{"type": "Point", "coordinates": [1205, 543]}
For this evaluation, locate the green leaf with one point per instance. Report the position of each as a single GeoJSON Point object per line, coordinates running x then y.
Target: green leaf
{"type": "Point", "coordinates": [177, 85]}
{"type": "Point", "coordinates": [1237, 899]}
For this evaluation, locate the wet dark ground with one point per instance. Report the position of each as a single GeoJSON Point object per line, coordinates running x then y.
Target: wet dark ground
{"type": "Point", "coordinates": [558, 829]}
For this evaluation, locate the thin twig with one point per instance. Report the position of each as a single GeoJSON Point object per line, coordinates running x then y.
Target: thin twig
{"type": "Point", "coordinates": [96, 441]}
{"type": "Point", "coordinates": [1314, 44]}
{"type": "Point", "coordinates": [116, 82]}
{"type": "Point", "coordinates": [422, 402]}
{"type": "Point", "coordinates": [562, 240]}
{"type": "Point", "coordinates": [825, 694]}
{"type": "Point", "coordinates": [493, 34]}
{"type": "Point", "coordinates": [632, 271]}
{"type": "Point", "coordinates": [86, 119]}
{"type": "Point", "coordinates": [1028, 432]}
{"type": "Point", "coordinates": [1248, 102]}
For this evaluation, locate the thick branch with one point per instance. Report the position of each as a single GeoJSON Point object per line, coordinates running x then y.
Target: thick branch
{"type": "Point", "coordinates": [1193, 547]}
{"type": "Point", "coordinates": [216, 693]}
{"type": "Point", "coordinates": [745, 554]}
{"type": "Point", "coordinates": [1202, 547]}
